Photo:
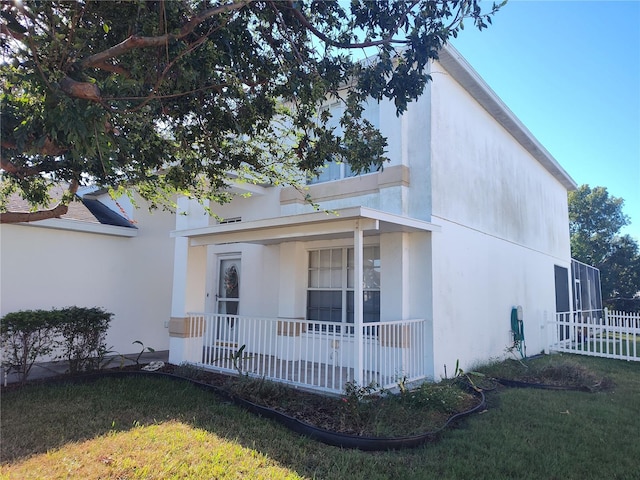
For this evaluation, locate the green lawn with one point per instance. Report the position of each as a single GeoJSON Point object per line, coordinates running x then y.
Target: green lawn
{"type": "Point", "coordinates": [158, 429]}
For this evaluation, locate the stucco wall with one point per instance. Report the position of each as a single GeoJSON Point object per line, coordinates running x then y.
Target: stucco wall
{"type": "Point", "coordinates": [504, 225]}
{"type": "Point", "coordinates": [484, 179]}
{"type": "Point", "coordinates": [478, 278]}
{"type": "Point", "coordinates": [43, 268]}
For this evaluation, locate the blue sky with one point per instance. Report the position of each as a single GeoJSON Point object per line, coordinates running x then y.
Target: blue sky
{"type": "Point", "coordinates": [570, 70]}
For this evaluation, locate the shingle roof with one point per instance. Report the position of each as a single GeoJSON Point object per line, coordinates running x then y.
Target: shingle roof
{"type": "Point", "coordinates": [81, 209]}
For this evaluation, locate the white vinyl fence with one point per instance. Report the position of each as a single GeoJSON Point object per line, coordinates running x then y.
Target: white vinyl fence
{"type": "Point", "coordinates": [600, 333]}
{"type": "Point", "coordinates": [317, 355]}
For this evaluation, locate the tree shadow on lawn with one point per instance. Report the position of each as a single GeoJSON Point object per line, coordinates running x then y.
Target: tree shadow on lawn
{"type": "Point", "coordinates": [42, 418]}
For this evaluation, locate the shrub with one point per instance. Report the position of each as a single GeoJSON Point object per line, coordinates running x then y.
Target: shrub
{"type": "Point", "coordinates": [29, 335]}
{"type": "Point", "coordinates": [84, 332]}
{"type": "Point", "coordinates": [26, 336]}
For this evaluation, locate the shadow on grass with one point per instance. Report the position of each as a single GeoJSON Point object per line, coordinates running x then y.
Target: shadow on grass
{"type": "Point", "coordinates": [41, 418]}
{"type": "Point", "coordinates": [579, 435]}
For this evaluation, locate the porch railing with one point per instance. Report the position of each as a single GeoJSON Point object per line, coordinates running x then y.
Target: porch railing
{"type": "Point", "coordinates": [318, 355]}
{"type": "Point", "coordinates": [601, 333]}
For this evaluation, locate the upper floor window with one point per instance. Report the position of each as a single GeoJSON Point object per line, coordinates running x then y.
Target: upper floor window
{"type": "Point", "coordinates": [336, 169]}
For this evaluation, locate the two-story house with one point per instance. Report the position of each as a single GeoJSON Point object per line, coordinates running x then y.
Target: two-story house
{"type": "Point", "coordinates": [410, 270]}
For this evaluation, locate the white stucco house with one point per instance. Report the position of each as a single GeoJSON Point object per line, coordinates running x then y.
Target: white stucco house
{"type": "Point", "coordinates": [102, 253]}
{"type": "Point", "coordinates": [414, 268]}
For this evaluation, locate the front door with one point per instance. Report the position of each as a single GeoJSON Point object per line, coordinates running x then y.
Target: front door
{"type": "Point", "coordinates": [228, 299]}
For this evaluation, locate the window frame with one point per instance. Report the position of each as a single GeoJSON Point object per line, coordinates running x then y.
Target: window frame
{"type": "Point", "coordinates": [337, 108]}
{"type": "Point", "coordinates": [346, 285]}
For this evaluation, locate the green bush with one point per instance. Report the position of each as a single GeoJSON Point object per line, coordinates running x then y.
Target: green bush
{"type": "Point", "coordinates": [26, 336]}
{"type": "Point", "coordinates": [84, 333]}
{"type": "Point", "coordinates": [78, 333]}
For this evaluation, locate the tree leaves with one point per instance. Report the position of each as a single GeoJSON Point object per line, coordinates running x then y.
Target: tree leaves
{"type": "Point", "coordinates": [175, 95]}
{"type": "Point", "coordinates": [595, 220]}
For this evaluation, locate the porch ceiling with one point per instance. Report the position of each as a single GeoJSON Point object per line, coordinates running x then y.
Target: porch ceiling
{"type": "Point", "coordinates": [308, 226]}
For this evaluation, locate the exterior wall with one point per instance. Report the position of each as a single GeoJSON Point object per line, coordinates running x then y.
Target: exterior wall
{"type": "Point", "coordinates": [254, 207]}
{"type": "Point", "coordinates": [504, 225]}
{"type": "Point", "coordinates": [478, 278]}
{"type": "Point", "coordinates": [483, 179]}
{"type": "Point", "coordinates": [43, 268]}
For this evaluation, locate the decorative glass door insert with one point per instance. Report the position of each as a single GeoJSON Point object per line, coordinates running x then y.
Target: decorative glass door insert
{"type": "Point", "coordinates": [228, 300]}
{"type": "Point", "coordinates": [228, 297]}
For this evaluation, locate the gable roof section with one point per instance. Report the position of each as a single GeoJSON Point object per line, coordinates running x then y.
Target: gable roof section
{"type": "Point", "coordinates": [454, 63]}
{"type": "Point", "coordinates": [86, 213]}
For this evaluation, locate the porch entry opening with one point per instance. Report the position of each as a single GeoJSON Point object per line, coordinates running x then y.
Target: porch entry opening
{"type": "Point", "coordinates": [228, 300]}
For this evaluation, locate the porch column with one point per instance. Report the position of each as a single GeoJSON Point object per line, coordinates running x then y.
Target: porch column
{"type": "Point", "coordinates": [357, 304]}
{"type": "Point", "coordinates": [189, 269]}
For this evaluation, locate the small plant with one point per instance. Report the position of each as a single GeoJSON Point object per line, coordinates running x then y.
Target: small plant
{"type": "Point", "coordinates": [144, 349]}
{"type": "Point", "coordinates": [102, 358]}
{"type": "Point", "coordinates": [358, 401]}
{"type": "Point", "coordinates": [512, 350]}
{"type": "Point", "coordinates": [237, 359]}
{"type": "Point", "coordinates": [467, 378]}
{"type": "Point", "coordinates": [402, 385]}
{"type": "Point", "coordinates": [443, 397]}
{"type": "Point", "coordinates": [357, 393]}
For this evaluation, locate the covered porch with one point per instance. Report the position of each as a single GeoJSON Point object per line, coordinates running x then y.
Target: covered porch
{"type": "Point", "coordinates": [248, 298]}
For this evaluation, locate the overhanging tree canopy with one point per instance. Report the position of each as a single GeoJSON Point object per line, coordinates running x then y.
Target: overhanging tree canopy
{"type": "Point", "coordinates": [171, 96]}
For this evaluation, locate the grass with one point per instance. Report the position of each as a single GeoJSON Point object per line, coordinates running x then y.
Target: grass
{"type": "Point", "coordinates": [153, 428]}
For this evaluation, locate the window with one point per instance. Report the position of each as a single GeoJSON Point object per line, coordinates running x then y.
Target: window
{"type": "Point", "coordinates": [336, 169]}
{"type": "Point", "coordinates": [330, 296]}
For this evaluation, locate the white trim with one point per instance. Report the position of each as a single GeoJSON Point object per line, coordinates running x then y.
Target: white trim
{"type": "Point", "coordinates": [338, 224]}
{"type": "Point", "coordinates": [86, 227]}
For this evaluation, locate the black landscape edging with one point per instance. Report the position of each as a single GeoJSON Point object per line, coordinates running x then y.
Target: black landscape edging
{"type": "Point", "coordinates": [355, 441]}
{"type": "Point", "coordinates": [325, 436]}
{"type": "Point", "coordinates": [542, 386]}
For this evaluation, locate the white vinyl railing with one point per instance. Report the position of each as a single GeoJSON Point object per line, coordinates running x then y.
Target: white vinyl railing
{"type": "Point", "coordinates": [600, 333]}
{"type": "Point", "coordinates": [318, 355]}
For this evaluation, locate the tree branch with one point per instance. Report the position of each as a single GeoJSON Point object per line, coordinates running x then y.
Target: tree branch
{"type": "Point", "coordinates": [135, 42]}
{"type": "Point", "coordinates": [322, 36]}
{"type": "Point", "coordinates": [56, 212]}
{"type": "Point", "coordinates": [83, 90]}
{"type": "Point", "coordinates": [48, 148]}
{"type": "Point", "coordinates": [5, 30]}
{"type": "Point", "coordinates": [110, 67]}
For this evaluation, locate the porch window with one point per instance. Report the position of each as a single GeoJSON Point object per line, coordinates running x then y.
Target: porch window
{"type": "Point", "coordinates": [330, 296]}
